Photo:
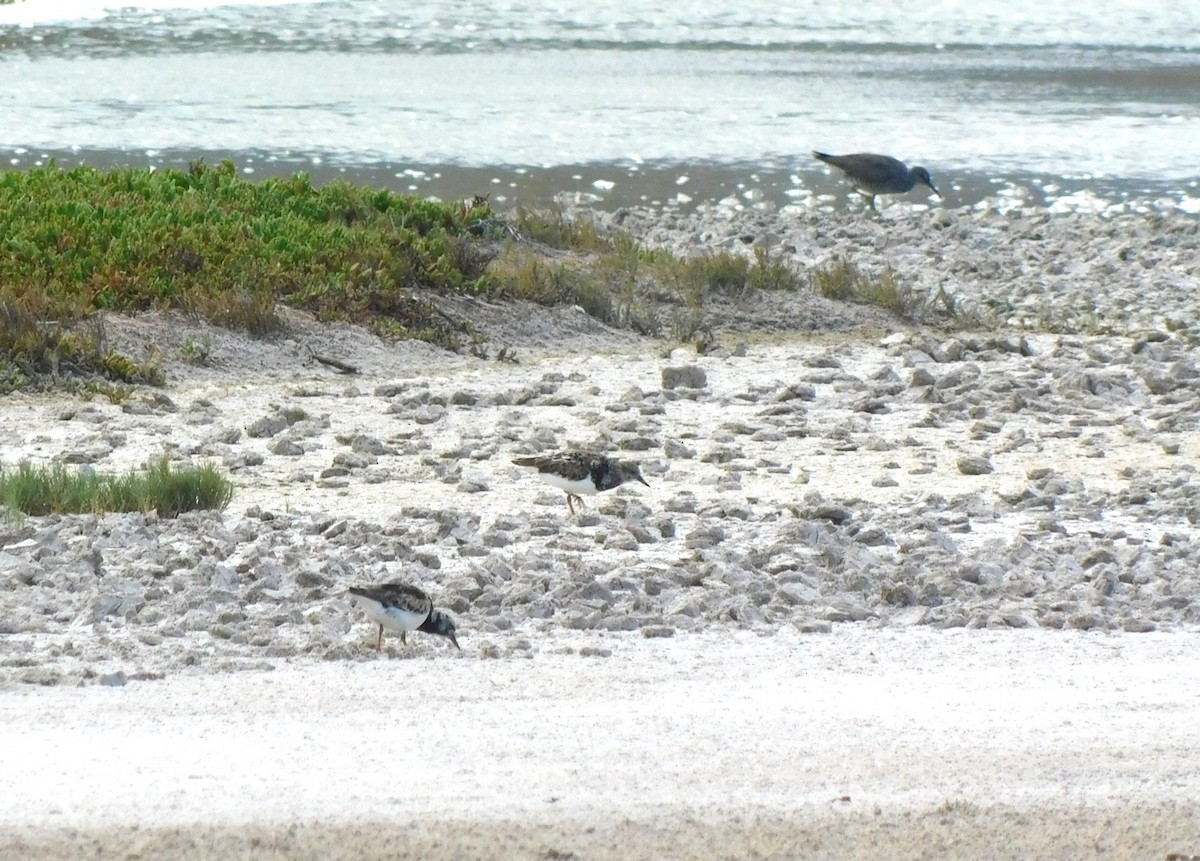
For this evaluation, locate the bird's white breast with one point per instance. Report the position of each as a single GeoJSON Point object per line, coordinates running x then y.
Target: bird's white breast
{"type": "Point", "coordinates": [579, 487]}
{"type": "Point", "coordinates": [392, 618]}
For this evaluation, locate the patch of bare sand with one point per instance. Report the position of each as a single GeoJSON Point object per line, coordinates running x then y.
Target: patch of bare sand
{"type": "Point", "coordinates": [971, 832]}
{"type": "Point", "coordinates": [194, 353]}
{"type": "Point", "coordinates": [857, 744]}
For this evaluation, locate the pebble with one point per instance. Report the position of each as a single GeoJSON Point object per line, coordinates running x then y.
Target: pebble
{"type": "Point", "coordinates": [113, 680]}
{"type": "Point", "coordinates": [686, 376]}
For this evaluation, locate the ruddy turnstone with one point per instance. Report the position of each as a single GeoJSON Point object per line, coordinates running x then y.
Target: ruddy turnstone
{"type": "Point", "coordinates": [403, 608]}
{"type": "Point", "coordinates": [580, 472]}
{"type": "Point", "coordinates": [875, 174]}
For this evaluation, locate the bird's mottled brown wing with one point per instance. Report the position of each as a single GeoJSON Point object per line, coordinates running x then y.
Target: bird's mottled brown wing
{"type": "Point", "coordinates": [398, 595]}
{"type": "Point", "coordinates": [572, 465]}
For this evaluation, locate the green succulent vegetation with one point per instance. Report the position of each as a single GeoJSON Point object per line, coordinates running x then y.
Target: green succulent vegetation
{"type": "Point", "coordinates": [76, 242]}
{"type": "Point", "coordinates": [208, 242]}
{"type": "Point", "coordinates": [55, 489]}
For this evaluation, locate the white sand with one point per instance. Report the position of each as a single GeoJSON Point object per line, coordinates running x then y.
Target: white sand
{"type": "Point", "coordinates": [982, 744]}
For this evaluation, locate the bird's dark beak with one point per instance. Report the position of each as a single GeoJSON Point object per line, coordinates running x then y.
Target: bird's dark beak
{"type": "Point", "coordinates": [935, 191]}
{"type": "Point", "coordinates": [642, 480]}
{"type": "Point", "coordinates": [454, 640]}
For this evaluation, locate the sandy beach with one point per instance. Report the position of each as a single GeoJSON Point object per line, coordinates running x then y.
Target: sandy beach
{"type": "Point", "coordinates": [859, 743]}
{"type": "Point", "coordinates": [893, 591]}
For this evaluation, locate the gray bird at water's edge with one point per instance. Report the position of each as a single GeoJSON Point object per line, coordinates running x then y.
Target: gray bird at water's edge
{"type": "Point", "coordinates": [873, 174]}
{"type": "Point", "coordinates": [576, 472]}
{"type": "Point", "coordinates": [403, 608]}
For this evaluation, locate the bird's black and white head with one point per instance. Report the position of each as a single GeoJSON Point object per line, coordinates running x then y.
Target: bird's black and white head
{"type": "Point", "coordinates": [442, 625]}
{"type": "Point", "coordinates": [607, 473]}
{"type": "Point", "coordinates": [630, 471]}
{"type": "Point", "coordinates": [922, 176]}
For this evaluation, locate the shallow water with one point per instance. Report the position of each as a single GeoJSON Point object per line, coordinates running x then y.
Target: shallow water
{"type": "Point", "coordinates": [1058, 97]}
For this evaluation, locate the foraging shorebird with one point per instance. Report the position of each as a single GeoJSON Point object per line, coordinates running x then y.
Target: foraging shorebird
{"type": "Point", "coordinates": [581, 472]}
{"type": "Point", "coordinates": [878, 174]}
{"type": "Point", "coordinates": [403, 608]}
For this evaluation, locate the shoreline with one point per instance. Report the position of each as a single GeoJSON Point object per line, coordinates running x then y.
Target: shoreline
{"type": "Point", "coordinates": [964, 831]}
{"type": "Point", "coordinates": [798, 182]}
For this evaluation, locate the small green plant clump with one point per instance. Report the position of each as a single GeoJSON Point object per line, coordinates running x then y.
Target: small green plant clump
{"type": "Point", "coordinates": [621, 281]}
{"type": "Point", "coordinates": [731, 273]}
{"type": "Point", "coordinates": [55, 489]}
{"type": "Point", "coordinates": [196, 351]}
{"type": "Point", "coordinates": [553, 228]}
{"type": "Point", "coordinates": [31, 348]}
{"type": "Point", "coordinates": [845, 282]}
